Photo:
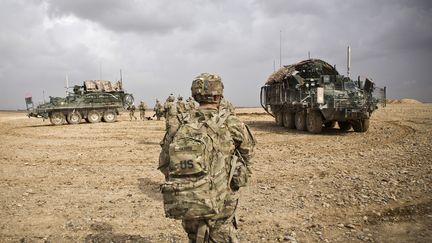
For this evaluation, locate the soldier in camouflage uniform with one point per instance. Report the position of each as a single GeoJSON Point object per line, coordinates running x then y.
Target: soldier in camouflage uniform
{"type": "Point", "coordinates": [190, 104]}
{"type": "Point", "coordinates": [142, 108]}
{"type": "Point", "coordinates": [225, 104]}
{"type": "Point", "coordinates": [158, 109]}
{"type": "Point", "coordinates": [170, 113]}
{"type": "Point", "coordinates": [207, 89]}
{"type": "Point", "coordinates": [181, 105]}
{"type": "Point", "coordinates": [131, 110]}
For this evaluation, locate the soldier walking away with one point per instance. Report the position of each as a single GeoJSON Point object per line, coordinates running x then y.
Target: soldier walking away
{"type": "Point", "coordinates": [205, 163]}
{"type": "Point", "coordinates": [131, 110]}
{"type": "Point", "coordinates": [181, 107]}
{"type": "Point", "coordinates": [142, 108]}
{"type": "Point", "coordinates": [170, 113]}
{"type": "Point", "coordinates": [225, 104]}
{"type": "Point", "coordinates": [158, 110]}
{"type": "Point", "coordinates": [191, 105]}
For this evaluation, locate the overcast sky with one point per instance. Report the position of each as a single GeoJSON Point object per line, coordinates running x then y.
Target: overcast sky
{"type": "Point", "coordinates": [161, 45]}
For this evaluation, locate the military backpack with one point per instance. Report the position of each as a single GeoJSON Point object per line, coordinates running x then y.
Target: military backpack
{"type": "Point", "coordinates": [201, 164]}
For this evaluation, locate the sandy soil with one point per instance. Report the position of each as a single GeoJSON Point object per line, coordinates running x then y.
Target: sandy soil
{"type": "Point", "coordinates": [99, 183]}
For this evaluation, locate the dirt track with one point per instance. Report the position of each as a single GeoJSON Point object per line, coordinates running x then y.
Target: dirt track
{"type": "Point", "coordinates": [94, 182]}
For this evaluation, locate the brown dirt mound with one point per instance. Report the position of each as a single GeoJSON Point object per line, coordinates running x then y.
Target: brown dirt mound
{"type": "Point", "coordinates": [403, 101]}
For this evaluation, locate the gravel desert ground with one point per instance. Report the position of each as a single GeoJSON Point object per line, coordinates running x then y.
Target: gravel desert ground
{"type": "Point", "coordinates": [99, 183]}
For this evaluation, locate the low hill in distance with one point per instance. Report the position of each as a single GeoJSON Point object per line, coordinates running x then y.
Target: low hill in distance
{"type": "Point", "coordinates": [403, 101]}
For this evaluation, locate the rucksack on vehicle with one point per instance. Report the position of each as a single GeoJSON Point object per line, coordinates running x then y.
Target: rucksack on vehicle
{"type": "Point", "coordinates": [201, 161]}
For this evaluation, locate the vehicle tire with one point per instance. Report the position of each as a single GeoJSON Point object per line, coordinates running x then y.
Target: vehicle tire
{"type": "Point", "coordinates": [279, 118]}
{"type": "Point", "coordinates": [109, 116]}
{"type": "Point", "coordinates": [57, 118]}
{"type": "Point", "coordinates": [74, 117]}
{"type": "Point", "coordinates": [93, 116]}
{"type": "Point", "coordinates": [300, 121]}
{"type": "Point", "coordinates": [314, 122]}
{"type": "Point", "coordinates": [330, 124]}
{"type": "Point", "coordinates": [344, 125]}
{"type": "Point", "coordinates": [128, 100]}
{"type": "Point", "coordinates": [361, 125]}
{"type": "Point", "coordinates": [288, 120]}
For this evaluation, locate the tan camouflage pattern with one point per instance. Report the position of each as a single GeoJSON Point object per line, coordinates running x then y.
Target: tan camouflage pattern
{"type": "Point", "coordinates": [205, 86]}
{"type": "Point", "coordinates": [170, 113]}
{"type": "Point", "coordinates": [132, 112]}
{"type": "Point", "coordinates": [142, 107]}
{"type": "Point", "coordinates": [158, 109]}
{"type": "Point", "coordinates": [181, 106]}
{"type": "Point", "coordinates": [191, 104]}
{"type": "Point", "coordinates": [225, 104]}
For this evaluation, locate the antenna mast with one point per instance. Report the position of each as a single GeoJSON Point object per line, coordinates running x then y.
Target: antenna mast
{"type": "Point", "coordinates": [100, 70]}
{"type": "Point", "coordinates": [67, 85]}
{"type": "Point", "coordinates": [348, 61]}
{"type": "Point", "coordinates": [280, 48]}
{"type": "Point", "coordinates": [121, 79]}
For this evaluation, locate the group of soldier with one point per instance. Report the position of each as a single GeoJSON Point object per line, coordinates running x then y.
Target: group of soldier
{"type": "Point", "coordinates": [168, 110]}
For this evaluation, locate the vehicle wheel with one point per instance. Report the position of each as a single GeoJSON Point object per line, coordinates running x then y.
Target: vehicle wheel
{"type": "Point", "coordinates": [109, 116]}
{"type": "Point", "coordinates": [361, 125]}
{"type": "Point", "coordinates": [300, 121]}
{"type": "Point", "coordinates": [314, 122]}
{"type": "Point", "coordinates": [330, 124]}
{"type": "Point", "coordinates": [57, 118]}
{"type": "Point", "coordinates": [344, 125]}
{"type": "Point", "coordinates": [279, 118]}
{"type": "Point", "coordinates": [74, 117]}
{"type": "Point", "coordinates": [93, 116]}
{"type": "Point", "coordinates": [288, 120]}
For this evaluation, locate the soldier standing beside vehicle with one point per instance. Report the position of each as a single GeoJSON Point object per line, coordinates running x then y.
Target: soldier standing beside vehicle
{"type": "Point", "coordinates": [142, 108]}
{"type": "Point", "coordinates": [201, 187]}
{"type": "Point", "coordinates": [131, 110]}
{"type": "Point", "coordinates": [158, 110]}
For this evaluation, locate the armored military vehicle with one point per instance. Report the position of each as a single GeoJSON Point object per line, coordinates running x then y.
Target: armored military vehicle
{"type": "Point", "coordinates": [311, 94]}
{"type": "Point", "coordinates": [94, 101]}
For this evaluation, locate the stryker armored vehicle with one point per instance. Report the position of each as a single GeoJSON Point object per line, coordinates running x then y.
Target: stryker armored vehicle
{"type": "Point", "coordinates": [311, 94]}
{"type": "Point", "coordinates": [96, 100]}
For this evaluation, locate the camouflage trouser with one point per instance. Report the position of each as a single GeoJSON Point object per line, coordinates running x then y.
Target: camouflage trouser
{"type": "Point", "coordinates": [171, 125]}
{"type": "Point", "coordinates": [132, 115]}
{"type": "Point", "coordinates": [142, 115]}
{"type": "Point", "coordinates": [222, 230]}
{"type": "Point", "coordinates": [158, 116]}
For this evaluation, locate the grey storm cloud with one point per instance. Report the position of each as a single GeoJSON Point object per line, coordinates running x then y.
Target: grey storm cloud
{"type": "Point", "coordinates": [130, 16]}
{"type": "Point", "coordinates": [162, 44]}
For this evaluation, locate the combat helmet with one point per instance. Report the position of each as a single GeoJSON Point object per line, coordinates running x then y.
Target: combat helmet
{"type": "Point", "coordinates": [206, 87]}
{"type": "Point", "coordinates": [171, 98]}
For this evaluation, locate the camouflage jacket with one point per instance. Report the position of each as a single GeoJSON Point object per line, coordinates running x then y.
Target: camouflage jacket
{"type": "Point", "coordinates": [142, 107]}
{"type": "Point", "coordinates": [243, 139]}
{"type": "Point", "coordinates": [158, 108]}
{"type": "Point", "coordinates": [170, 110]}
{"type": "Point", "coordinates": [131, 108]}
{"type": "Point", "coordinates": [191, 105]}
{"type": "Point", "coordinates": [181, 107]}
